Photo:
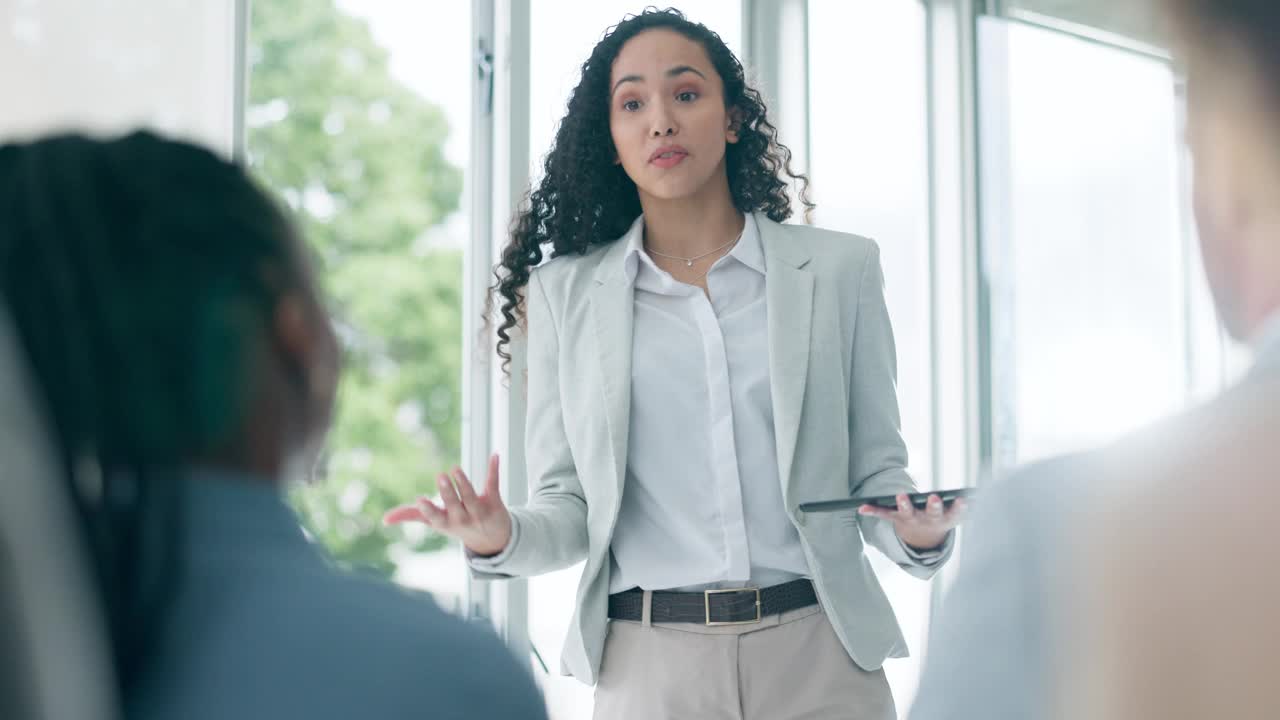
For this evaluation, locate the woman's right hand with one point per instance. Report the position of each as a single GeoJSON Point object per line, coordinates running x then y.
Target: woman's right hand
{"type": "Point", "coordinates": [481, 522]}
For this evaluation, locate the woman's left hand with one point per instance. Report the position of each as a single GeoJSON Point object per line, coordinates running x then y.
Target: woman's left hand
{"type": "Point", "coordinates": [920, 529]}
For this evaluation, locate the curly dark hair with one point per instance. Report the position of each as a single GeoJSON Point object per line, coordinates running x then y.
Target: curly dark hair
{"type": "Point", "coordinates": [586, 200]}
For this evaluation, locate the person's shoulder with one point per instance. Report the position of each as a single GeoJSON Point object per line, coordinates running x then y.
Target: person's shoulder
{"type": "Point", "coordinates": [824, 237]}
{"type": "Point", "coordinates": [829, 250]}
{"type": "Point", "coordinates": [1215, 452]}
{"type": "Point", "coordinates": [568, 270]}
{"type": "Point", "coordinates": [1029, 507]}
{"type": "Point", "coordinates": [1220, 437]}
{"type": "Point", "coordinates": [407, 638]}
{"type": "Point", "coordinates": [1057, 477]}
{"type": "Point", "coordinates": [390, 611]}
{"type": "Point", "coordinates": [327, 644]}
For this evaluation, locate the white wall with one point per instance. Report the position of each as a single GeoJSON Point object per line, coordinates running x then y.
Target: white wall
{"type": "Point", "coordinates": [105, 66]}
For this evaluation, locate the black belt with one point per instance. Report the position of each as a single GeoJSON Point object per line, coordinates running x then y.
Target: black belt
{"type": "Point", "coordinates": [735, 606]}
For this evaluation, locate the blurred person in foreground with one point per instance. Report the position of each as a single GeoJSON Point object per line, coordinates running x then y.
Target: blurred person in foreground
{"type": "Point", "coordinates": [1181, 593]}
{"type": "Point", "coordinates": [1135, 582]}
{"type": "Point", "coordinates": [187, 368]}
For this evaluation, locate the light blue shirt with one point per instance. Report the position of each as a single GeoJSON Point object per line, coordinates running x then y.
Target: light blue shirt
{"type": "Point", "coordinates": [1266, 342]}
{"type": "Point", "coordinates": [996, 641]}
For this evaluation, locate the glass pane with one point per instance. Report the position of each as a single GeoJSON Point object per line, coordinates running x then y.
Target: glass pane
{"type": "Point", "coordinates": [869, 167]}
{"type": "Point", "coordinates": [1134, 19]}
{"type": "Point", "coordinates": [1082, 237]}
{"type": "Point", "coordinates": [92, 65]}
{"type": "Point", "coordinates": [563, 34]}
{"type": "Point", "coordinates": [358, 118]}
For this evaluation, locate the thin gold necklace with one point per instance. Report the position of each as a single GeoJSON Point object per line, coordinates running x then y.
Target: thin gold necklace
{"type": "Point", "coordinates": [688, 262]}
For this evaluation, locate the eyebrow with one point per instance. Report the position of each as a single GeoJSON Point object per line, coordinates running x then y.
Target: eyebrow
{"type": "Point", "coordinates": [673, 72]}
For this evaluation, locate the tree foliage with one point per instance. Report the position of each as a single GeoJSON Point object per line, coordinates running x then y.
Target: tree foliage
{"type": "Point", "coordinates": [359, 157]}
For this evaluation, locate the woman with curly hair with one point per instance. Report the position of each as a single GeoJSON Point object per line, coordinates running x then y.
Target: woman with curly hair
{"type": "Point", "coordinates": [696, 370]}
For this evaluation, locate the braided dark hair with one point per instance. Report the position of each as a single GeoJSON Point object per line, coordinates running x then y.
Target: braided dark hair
{"type": "Point", "coordinates": [137, 271]}
{"type": "Point", "coordinates": [584, 199]}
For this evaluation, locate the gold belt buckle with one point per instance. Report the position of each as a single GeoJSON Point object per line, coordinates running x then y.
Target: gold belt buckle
{"type": "Point", "coordinates": [707, 604]}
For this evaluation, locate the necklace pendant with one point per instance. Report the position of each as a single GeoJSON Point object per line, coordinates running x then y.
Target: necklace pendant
{"type": "Point", "coordinates": [688, 263]}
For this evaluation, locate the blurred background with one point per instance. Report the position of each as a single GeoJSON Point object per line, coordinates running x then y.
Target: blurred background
{"type": "Point", "coordinates": [1020, 163]}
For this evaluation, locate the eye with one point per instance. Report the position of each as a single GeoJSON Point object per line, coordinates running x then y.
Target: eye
{"type": "Point", "coordinates": [687, 96]}
{"type": "Point", "coordinates": [631, 105]}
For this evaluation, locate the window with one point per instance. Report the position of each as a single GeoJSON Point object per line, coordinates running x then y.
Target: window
{"type": "Point", "coordinates": [869, 167]}
{"type": "Point", "coordinates": [1083, 250]}
{"type": "Point", "coordinates": [1134, 19]}
{"type": "Point", "coordinates": [358, 117]}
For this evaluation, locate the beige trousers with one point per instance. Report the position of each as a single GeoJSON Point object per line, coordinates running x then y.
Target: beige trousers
{"type": "Point", "coordinates": [787, 667]}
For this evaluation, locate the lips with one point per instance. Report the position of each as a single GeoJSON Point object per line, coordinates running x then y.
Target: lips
{"type": "Point", "coordinates": [668, 156]}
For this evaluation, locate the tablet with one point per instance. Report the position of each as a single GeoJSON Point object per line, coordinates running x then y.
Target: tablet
{"type": "Point", "coordinates": [919, 499]}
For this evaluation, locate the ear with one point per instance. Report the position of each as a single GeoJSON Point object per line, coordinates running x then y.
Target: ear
{"type": "Point", "coordinates": [308, 351]}
{"type": "Point", "coordinates": [733, 126]}
{"type": "Point", "coordinates": [293, 337]}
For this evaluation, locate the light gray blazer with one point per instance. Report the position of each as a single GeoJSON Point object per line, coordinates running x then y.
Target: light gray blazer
{"type": "Point", "coordinates": [832, 373]}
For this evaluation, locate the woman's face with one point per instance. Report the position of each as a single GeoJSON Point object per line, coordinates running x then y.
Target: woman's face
{"type": "Point", "coordinates": [667, 115]}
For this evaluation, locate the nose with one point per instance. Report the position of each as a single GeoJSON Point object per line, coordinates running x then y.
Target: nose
{"type": "Point", "coordinates": [662, 124]}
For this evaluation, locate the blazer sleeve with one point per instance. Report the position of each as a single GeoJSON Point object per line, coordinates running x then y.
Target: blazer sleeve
{"type": "Point", "coordinates": [550, 531]}
{"type": "Point", "coordinates": [877, 452]}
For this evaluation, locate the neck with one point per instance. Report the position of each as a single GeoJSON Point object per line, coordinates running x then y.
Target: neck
{"type": "Point", "coordinates": [262, 447]}
{"type": "Point", "coordinates": [1257, 281]}
{"type": "Point", "coordinates": [261, 466]}
{"type": "Point", "coordinates": [693, 225]}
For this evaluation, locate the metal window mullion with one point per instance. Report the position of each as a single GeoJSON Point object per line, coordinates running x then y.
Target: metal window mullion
{"type": "Point", "coordinates": [239, 140]}
{"type": "Point", "coordinates": [960, 417]}
{"type": "Point", "coordinates": [511, 21]}
{"type": "Point", "coordinates": [1087, 33]}
{"type": "Point", "coordinates": [478, 257]}
{"type": "Point", "coordinates": [954, 242]}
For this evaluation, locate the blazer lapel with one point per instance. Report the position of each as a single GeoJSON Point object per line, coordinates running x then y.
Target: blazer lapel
{"type": "Point", "coordinates": [611, 316]}
{"type": "Point", "coordinates": [789, 295]}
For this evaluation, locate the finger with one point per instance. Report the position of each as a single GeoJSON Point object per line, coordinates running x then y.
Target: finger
{"type": "Point", "coordinates": [882, 513]}
{"type": "Point", "coordinates": [403, 513]}
{"type": "Point", "coordinates": [905, 509]}
{"type": "Point", "coordinates": [466, 493]}
{"type": "Point", "coordinates": [491, 486]}
{"type": "Point", "coordinates": [432, 514]}
{"type": "Point", "coordinates": [934, 508]}
{"type": "Point", "coordinates": [449, 496]}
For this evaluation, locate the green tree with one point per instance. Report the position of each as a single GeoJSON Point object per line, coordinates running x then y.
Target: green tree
{"type": "Point", "coordinates": [359, 157]}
